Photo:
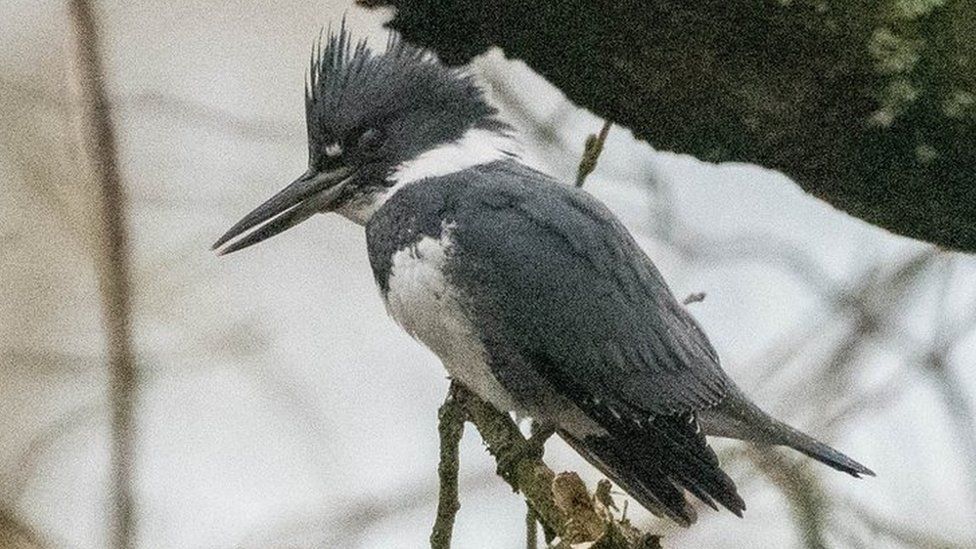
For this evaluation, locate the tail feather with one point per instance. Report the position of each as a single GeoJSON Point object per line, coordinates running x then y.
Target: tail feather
{"type": "Point", "coordinates": [655, 493]}
{"type": "Point", "coordinates": [737, 417]}
{"type": "Point", "coordinates": [656, 462]}
{"type": "Point", "coordinates": [821, 452]}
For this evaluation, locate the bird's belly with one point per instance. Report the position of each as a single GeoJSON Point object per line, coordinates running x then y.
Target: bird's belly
{"type": "Point", "coordinates": [424, 302]}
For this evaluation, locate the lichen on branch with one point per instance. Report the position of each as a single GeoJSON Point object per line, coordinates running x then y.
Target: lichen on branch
{"type": "Point", "coordinates": [568, 512]}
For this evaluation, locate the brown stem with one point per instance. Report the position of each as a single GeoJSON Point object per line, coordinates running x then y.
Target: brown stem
{"type": "Point", "coordinates": [531, 529]}
{"type": "Point", "coordinates": [15, 534]}
{"type": "Point", "coordinates": [591, 153]}
{"type": "Point", "coordinates": [524, 472]}
{"type": "Point", "coordinates": [98, 141]}
{"type": "Point", "coordinates": [451, 428]}
{"type": "Point", "coordinates": [554, 499]}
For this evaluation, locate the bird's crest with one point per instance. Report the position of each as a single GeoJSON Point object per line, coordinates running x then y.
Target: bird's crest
{"type": "Point", "coordinates": [349, 85]}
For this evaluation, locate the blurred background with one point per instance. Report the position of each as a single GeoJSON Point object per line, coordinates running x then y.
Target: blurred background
{"type": "Point", "coordinates": [278, 406]}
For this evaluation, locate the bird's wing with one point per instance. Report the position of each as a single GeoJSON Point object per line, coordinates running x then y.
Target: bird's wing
{"type": "Point", "coordinates": [555, 277]}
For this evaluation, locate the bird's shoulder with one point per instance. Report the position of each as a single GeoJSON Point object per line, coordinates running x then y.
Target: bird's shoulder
{"type": "Point", "coordinates": [423, 208]}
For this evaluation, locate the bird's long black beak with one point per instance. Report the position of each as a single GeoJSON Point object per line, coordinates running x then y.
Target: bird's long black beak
{"type": "Point", "coordinates": [311, 193]}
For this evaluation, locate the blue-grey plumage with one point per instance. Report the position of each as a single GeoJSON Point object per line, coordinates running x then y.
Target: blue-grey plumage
{"type": "Point", "coordinates": [531, 292]}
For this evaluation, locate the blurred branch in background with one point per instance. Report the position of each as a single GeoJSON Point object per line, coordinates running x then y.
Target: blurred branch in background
{"type": "Point", "coordinates": [41, 444]}
{"type": "Point", "coordinates": [802, 489]}
{"type": "Point", "coordinates": [880, 528]}
{"type": "Point", "coordinates": [936, 362]}
{"type": "Point", "coordinates": [187, 111]}
{"type": "Point", "coordinates": [357, 516]}
{"type": "Point", "coordinates": [98, 141]}
{"type": "Point", "coordinates": [872, 309]}
{"type": "Point", "coordinates": [14, 534]}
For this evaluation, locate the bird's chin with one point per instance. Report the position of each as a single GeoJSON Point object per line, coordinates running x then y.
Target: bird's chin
{"type": "Point", "coordinates": [360, 208]}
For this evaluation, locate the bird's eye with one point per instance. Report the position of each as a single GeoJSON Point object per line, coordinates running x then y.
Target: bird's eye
{"type": "Point", "coordinates": [370, 139]}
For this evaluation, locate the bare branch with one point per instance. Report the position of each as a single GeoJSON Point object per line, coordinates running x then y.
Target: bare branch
{"type": "Point", "coordinates": [531, 528]}
{"type": "Point", "coordinates": [546, 493]}
{"type": "Point", "coordinates": [15, 534]}
{"type": "Point", "coordinates": [186, 111]}
{"type": "Point", "coordinates": [451, 429]}
{"type": "Point", "coordinates": [98, 141]}
{"type": "Point", "coordinates": [801, 488]}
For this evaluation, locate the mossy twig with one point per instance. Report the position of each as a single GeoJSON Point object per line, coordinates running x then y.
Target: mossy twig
{"type": "Point", "coordinates": [451, 429]}
{"type": "Point", "coordinates": [591, 153]}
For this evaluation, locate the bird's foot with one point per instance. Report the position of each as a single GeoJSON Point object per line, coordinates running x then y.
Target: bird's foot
{"type": "Point", "coordinates": [531, 449]}
{"type": "Point", "coordinates": [540, 434]}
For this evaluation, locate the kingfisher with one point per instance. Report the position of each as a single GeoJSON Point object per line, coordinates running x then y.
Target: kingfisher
{"type": "Point", "coordinates": [530, 291]}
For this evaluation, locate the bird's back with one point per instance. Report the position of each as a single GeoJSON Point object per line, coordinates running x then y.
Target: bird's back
{"type": "Point", "coordinates": [547, 270]}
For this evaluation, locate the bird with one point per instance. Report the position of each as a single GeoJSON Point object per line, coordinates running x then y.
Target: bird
{"type": "Point", "coordinates": [533, 295]}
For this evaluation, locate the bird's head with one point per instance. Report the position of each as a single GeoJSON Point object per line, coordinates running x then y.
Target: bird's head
{"type": "Point", "coordinates": [376, 121]}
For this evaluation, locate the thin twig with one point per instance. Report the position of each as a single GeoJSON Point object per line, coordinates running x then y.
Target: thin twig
{"type": "Point", "coordinates": [539, 434]}
{"type": "Point", "coordinates": [451, 429]}
{"type": "Point", "coordinates": [98, 141]}
{"type": "Point", "coordinates": [957, 406]}
{"type": "Point", "coordinates": [531, 529]}
{"type": "Point", "coordinates": [591, 153]}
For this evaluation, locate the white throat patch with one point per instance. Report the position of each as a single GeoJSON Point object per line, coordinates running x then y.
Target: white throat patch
{"type": "Point", "coordinates": [476, 147]}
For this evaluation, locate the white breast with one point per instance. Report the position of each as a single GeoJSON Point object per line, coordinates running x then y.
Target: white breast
{"type": "Point", "coordinates": [427, 306]}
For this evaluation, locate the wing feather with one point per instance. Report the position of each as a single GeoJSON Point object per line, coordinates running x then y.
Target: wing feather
{"type": "Point", "coordinates": [556, 276]}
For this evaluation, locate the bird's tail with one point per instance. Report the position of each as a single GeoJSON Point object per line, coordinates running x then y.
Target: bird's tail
{"type": "Point", "coordinates": [656, 463]}
{"type": "Point", "coordinates": [737, 417]}
{"type": "Point", "coordinates": [819, 451]}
